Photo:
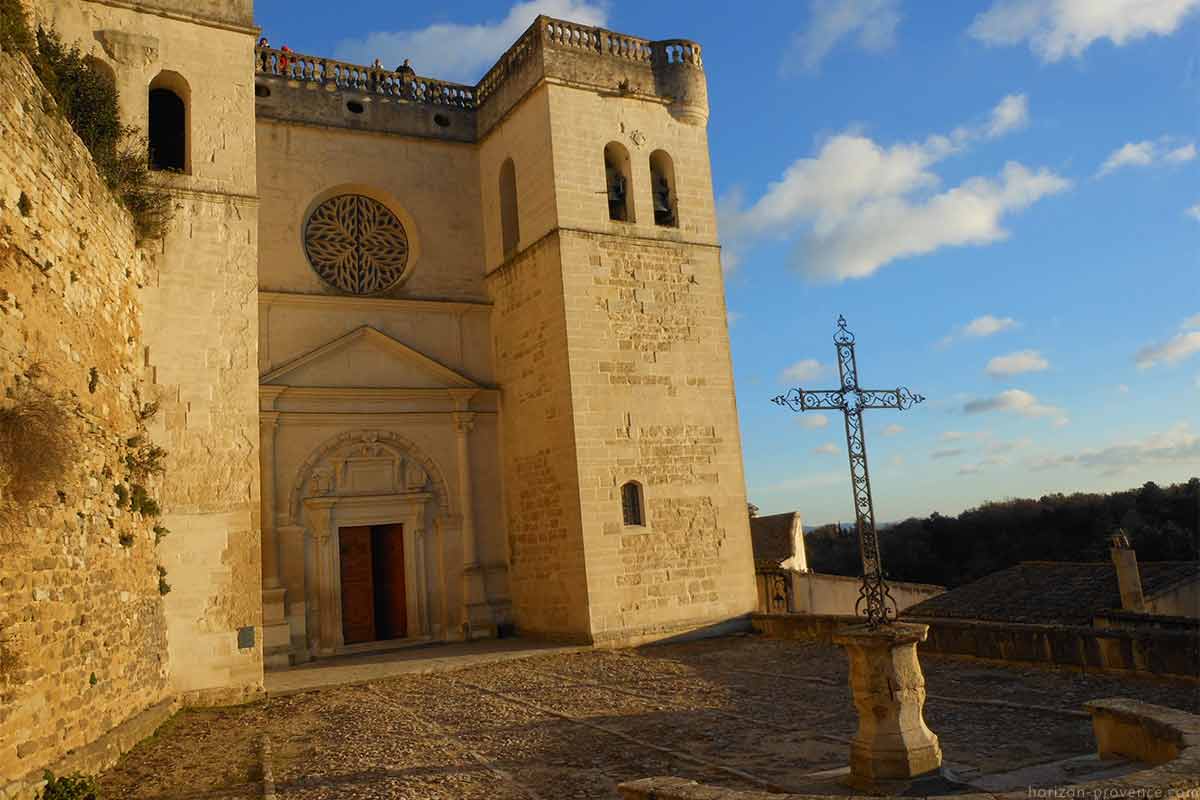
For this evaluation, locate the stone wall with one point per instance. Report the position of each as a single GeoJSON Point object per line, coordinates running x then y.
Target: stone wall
{"type": "Point", "coordinates": [200, 324]}
{"type": "Point", "coordinates": [653, 396]}
{"type": "Point", "coordinates": [81, 616]}
{"type": "Point", "coordinates": [546, 559]}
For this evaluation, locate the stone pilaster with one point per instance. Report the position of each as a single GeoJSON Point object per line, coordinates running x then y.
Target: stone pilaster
{"type": "Point", "coordinates": [328, 614]}
{"type": "Point", "coordinates": [277, 635]}
{"type": "Point", "coordinates": [477, 616]}
{"type": "Point", "coordinates": [893, 746]}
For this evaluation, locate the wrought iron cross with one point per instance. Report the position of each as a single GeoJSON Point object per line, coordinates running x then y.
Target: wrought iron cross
{"type": "Point", "coordinates": [851, 399]}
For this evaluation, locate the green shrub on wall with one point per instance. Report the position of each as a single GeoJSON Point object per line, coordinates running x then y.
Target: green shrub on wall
{"type": "Point", "coordinates": [69, 787]}
{"type": "Point", "coordinates": [86, 95]}
{"type": "Point", "coordinates": [14, 31]}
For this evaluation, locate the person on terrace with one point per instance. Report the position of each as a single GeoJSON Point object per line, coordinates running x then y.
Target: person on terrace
{"type": "Point", "coordinates": [407, 76]}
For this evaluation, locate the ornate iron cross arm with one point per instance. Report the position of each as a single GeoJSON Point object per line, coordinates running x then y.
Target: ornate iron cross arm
{"type": "Point", "coordinates": [850, 399]}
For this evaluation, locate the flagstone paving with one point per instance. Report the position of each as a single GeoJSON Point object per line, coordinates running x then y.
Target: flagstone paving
{"type": "Point", "coordinates": [741, 712]}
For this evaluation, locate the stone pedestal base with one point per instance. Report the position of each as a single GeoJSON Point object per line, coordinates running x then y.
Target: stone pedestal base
{"type": "Point", "coordinates": [893, 746]}
{"type": "Point", "coordinates": [277, 633]}
{"type": "Point", "coordinates": [478, 622]}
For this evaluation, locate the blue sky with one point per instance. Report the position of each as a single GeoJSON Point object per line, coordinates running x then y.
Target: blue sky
{"type": "Point", "coordinates": [1001, 196]}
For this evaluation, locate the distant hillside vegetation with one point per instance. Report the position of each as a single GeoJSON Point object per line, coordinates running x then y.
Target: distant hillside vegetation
{"type": "Point", "coordinates": [1162, 524]}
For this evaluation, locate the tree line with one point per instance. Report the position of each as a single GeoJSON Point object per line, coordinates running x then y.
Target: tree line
{"type": "Point", "coordinates": [1163, 524]}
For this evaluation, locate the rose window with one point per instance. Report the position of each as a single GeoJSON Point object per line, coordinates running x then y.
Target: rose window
{"type": "Point", "coordinates": [356, 244]}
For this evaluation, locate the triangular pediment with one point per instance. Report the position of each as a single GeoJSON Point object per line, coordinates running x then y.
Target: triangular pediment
{"type": "Point", "coordinates": [366, 358]}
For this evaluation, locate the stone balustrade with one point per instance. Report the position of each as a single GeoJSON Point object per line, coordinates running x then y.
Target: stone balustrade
{"type": "Point", "coordinates": [343, 75]}
{"type": "Point", "coordinates": [544, 33]}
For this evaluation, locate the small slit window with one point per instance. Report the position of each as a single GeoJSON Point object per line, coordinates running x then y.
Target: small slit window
{"type": "Point", "coordinates": [631, 504]}
{"type": "Point", "coordinates": [168, 123]}
{"type": "Point", "coordinates": [510, 226]}
{"type": "Point", "coordinates": [662, 189]}
{"type": "Point", "coordinates": [616, 177]}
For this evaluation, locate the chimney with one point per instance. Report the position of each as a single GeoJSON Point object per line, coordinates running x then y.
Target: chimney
{"type": "Point", "coordinates": [1129, 581]}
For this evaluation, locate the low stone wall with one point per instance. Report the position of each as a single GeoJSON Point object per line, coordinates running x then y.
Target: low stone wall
{"type": "Point", "coordinates": [1161, 653]}
{"type": "Point", "coordinates": [1166, 739]}
{"type": "Point", "coordinates": [1132, 620]}
{"type": "Point", "coordinates": [819, 593]}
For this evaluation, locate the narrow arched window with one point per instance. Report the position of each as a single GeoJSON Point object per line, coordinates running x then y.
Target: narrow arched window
{"type": "Point", "coordinates": [510, 225]}
{"type": "Point", "coordinates": [631, 504]}
{"type": "Point", "coordinates": [662, 189]}
{"type": "Point", "coordinates": [616, 176]}
{"type": "Point", "coordinates": [168, 123]}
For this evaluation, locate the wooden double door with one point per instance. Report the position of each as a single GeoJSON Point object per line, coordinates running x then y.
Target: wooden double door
{"type": "Point", "coordinates": [372, 568]}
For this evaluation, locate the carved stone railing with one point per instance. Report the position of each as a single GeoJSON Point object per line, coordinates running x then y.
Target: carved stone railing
{"type": "Point", "coordinates": [343, 75]}
{"type": "Point", "coordinates": [545, 32]}
{"type": "Point", "coordinates": [678, 51]}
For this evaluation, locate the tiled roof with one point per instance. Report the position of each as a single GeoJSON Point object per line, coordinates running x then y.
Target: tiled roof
{"type": "Point", "coordinates": [772, 537]}
{"type": "Point", "coordinates": [1050, 592]}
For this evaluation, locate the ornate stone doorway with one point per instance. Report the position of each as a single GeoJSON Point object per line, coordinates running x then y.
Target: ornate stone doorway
{"type": "Point", "coordinates": [374, 604]}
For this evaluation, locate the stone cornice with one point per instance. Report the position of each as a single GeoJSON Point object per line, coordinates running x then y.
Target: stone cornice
{"type": "Point", "coordinates": [268, 298]}
{"type": "Point", "coordinates": [380, 418]}
{"type": "Point", "coordinates": [311, 402]}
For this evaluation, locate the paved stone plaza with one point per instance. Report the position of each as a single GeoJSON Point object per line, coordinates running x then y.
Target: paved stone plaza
{"type": "Point", "coordinates": [740, 711]}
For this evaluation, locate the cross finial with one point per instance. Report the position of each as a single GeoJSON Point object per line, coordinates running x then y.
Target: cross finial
{"type": "Point", "coordinates": [875, 599]}
{"type": "Point", "coordinates": [843, 335]}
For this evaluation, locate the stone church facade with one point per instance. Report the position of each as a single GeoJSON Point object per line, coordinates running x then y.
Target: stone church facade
{"type": "Point", "coordinates": [435, 361]}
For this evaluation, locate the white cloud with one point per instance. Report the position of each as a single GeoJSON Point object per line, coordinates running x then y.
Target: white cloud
{"type": "Point", "coordinates": [1016, 401]}
{"type": "Point", "coordinates": [858, 205]}
{"type": "Point", "coordinates": [1147, 153]}
{"type": "Point", "coordinates": [1173, 445]}
{"type": "Point", "coordinates": [1173, 350]}
{"type": "Point", "coordinates": [894, 228]}
{"type": "Point", "coordinates": [827, 449]}
{"type": "Point", "coordinates": [1010, 114]}
{"type": "Point", "coordinates": [1180, 155]}
{"type": "Point", "coordinates": [1056, 29]}
{"type": "Point", "coordinates": [1123, 388]}
{"type": "Point", "coordinates": [1194, 212]}
{"type": "Point", "coordinates": [987, 325]}
{"type": "Point", "coordinates": [732, 317]}
{"type": "Point", "coordinates": [806, 370]}
{"type": "Point", "coordinates": [808, 481]}
{"type": "Point", "coordinates": [892, 430]}
{"type": "Point", "coordinates": [871, 22]}
{"type": "Point", "coordinates": [1008, 446]}
{"type": "Point", "coordinates": [980, 466]}
{"type": "Point", "coordinates": [461, 52]}
{"type": "Point", "coordinates": [953, 436]}
{"type": "Point", "coordinates": [1017, 363]}
{"type": "Point", "coordinates": [812, 421]}
{"type": "Point", "coordinates": [950, 453]}
{"type": "Point", "coordinates": [1140, 154]}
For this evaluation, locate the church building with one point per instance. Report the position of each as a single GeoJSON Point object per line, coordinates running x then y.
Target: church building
{"type": "Point", "coordinates": [435, 361]}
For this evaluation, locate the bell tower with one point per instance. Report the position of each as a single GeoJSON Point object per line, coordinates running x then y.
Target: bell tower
{"type": "Point", "coordinates": [624, 488]}
{"type": "Point", "coordinates": [183, 70]}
